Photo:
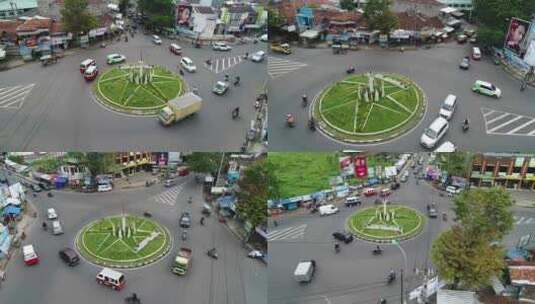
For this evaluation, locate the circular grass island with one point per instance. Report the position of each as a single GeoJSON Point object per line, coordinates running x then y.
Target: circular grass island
{"type": "Point", "coordinates": [123, 241]}
{"type": "Point", "coordinates": [369, 107]}
{"type": "Point", "coordinates": [138, 89]}
{"type": "Point", "coordinates": [383, 224]}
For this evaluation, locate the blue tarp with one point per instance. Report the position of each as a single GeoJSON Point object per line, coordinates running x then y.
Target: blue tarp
{"type": "Point", "coordinates": [226, 202]}
{"type": "Point", "coordinates": [516, 253]}
{"type": "Point", "coordinates": [11, 210]}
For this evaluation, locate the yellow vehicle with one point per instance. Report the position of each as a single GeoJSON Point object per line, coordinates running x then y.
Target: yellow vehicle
{"type": "Point", "coordinates": [283, 48]}
{"type": "Point", "coordinates": [180, 108]}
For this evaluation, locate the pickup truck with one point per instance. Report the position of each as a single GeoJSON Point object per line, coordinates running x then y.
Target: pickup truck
{"type": "Point", "coordinates": [182, 261]}
{"type": "Point", "coordinates": [180, 108]}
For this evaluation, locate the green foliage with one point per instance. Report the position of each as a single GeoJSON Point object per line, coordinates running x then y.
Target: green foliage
{"type": "Point", "coordinates": [465, 260]}
{"type": "Point", "coordinates": [76, 18]}
{"type": "Point", "coordinates": [490, 36]}
{"type": "Point", "coordinates": [124, 5]}
{"type": "Point", "coordinates": [47, 165]}
{"type": "Point", "coordinates": [274, 20]}
{"type": "Point", "coordinates": [379, 16]}
{"type": "Point", "coordinates": [456, 164]}
{"type": "Point", "coordinates": [100, 163]}
{"type": "Point", "coordinates": [19, 159]}
{"type": "Point", "coordinates": [485, 213]}
{"type": "Point", "coordinates": [160, 12]}
{"type": "Point", "coordinates": [204, 162]}
{"type": "Point", "coordinates": [255, 187]}
{"type": "Point", "coordinates": [348, 5]}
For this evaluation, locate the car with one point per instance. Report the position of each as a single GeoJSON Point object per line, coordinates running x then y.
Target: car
{"type": "Point", "coordinates": [87, 63]}
{"type": "Point", "coordinates": [255, 254]}
{"type": "Point", "coordinates": [369, 192]}
{"type": "Point", "coordinates": [462, 38]}
{"type": "Point", "coordinates": [188, 64]}
{"type": "Point", "coordinates": [220, 88]}
{"type": "Point", "coordinates": [258, 56]}
{"type": "Point", "coordinates": [476, 53]}
{"type": "Point", "coordinates": [405, 177]}
{"type": "Point", "coordinates": [169, 183]}
{"type": "Point", "coordinates": [434, 132]}
{"type": "Point", "coordinates": [352, 201]}
{"type": "Point", "coordinates": [104, 188]}
{"type": "Point", "coordinates": [473, 40]}
{"type": "Point", "coordinates": [185, 220]}
{"type": "Point", "coordinates": [175, 49]}
{"type": "Point", "coordinates": [51, 214]}
{"type": "Point", "coordinates": [327, 210]}
{"type": "Point", "coordinates": [453, 190]}
{"type": "Point", "coordinates": [115, 58]}
{"type": "Point", "coordinates": [385, 192]}
{"type": "Point", "coordinates": [395, 186]}
{"type": "Point", "coordinates": [465, 63]}
{"type": "Point", "coordinates": [448, 106]}
{"type": "Point", "coordinates": [36, 188]}
{"type": "Point", "coordinates": [69, 256]}
{"type": "Point", "coordinates": [264, 38]}
{"type": "Point", "coordinates": [343, 236]}
{"type": "Point", "coordinates": [156, 40]}
{"type": "Point", "coordinates": [221, 46]}
{"type": "Point", "coordinates": [486, 88]}
{"type": "Point", "coordinates": [432, 211]}
{"type": "Point", "coordinates": [56, 227]}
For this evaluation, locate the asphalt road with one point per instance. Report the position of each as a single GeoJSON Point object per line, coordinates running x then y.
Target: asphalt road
{"type": "Point", "coordinates": [231, 279]}
{"type": "Point", "coordinates": [436, 71]}
{"type": "Point", "coordinates": [59, 113]}
{"type": "Point", "coordinates": [355, 276]}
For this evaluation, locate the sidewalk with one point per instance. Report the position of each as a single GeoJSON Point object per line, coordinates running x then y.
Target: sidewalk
{"type": "Point", "coordinates": [524, 199]}
{"type": "Point", "coordinates": [134, 181]}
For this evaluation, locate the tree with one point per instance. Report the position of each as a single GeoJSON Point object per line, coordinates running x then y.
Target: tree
{"type": "Point", "coordinates": [274, 21]}
{"type": "Point", "coordinates": [257, 185]}
{"type": "Point", "coordinates": [19, 159]}
{"type": "Point", "coordinates": [204, 162]}
{"type": "Point", "coordinates": [456, 163]}
{"type": "Point", "coordinates": [100, 163]}
{"type": "Point", "coordinates": [348, 4]}
{"type": "Point", "coordinates": [160, 13]}
{"type": "Point", "coordinates": [124, 5]}
{"type": "Point", "coordinates": [485, 213]}
{"type": "Point", "coordinates": [466, 260]}
{"type": "Point", "coordinates": [379, 16]}
{"type": "Point", "coordinates": [76, 18]}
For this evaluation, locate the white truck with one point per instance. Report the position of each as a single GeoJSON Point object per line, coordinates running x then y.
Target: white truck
{"type": "Point", "coordinates": [327, 209]}
{"type": "Point", "coordinates": [305, 271]}
{"type": "Point", "coordinates": [180, 108]}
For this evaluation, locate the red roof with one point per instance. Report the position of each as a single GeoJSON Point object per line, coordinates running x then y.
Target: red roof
{"type": "Point", "coordinates": [412, 22]}
{"type": "Point", "coordinates": [9, 27]}
{"type": "Point", "coordinates": [522, 275]}
{"type": "Point", "coordinates": [288, 8]}
{"type": "Point", "coordinates": [35, 23]}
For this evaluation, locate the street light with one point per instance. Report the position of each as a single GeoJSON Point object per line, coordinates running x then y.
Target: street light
{"type": "Point", "coordinates": [396, 242]}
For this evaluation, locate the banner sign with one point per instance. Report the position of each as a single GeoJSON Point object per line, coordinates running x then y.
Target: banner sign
{"type": "Point", "coordinates": [183, 14]}
{"type": "Point", "coordinates": [346, 165]}
{"type": "Point", "coordinates": [516, 35]}
{"type": "Point", "coordinates": [361, 166]}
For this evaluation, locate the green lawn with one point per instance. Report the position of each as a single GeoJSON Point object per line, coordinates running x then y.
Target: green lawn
{"type": "Point", "coordinates": [407, 218]}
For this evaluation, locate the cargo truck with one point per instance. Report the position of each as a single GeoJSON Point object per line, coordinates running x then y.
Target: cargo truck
{"type": "Point", "coordinates": [182, 261]}
{"type": "Point", "coordinates": [180, 108]}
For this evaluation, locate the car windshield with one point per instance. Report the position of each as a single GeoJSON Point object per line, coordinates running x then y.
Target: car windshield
{"type": "Point", "coordinates": [220, 86]}
{"type": "Point", "coordinates": [430, 133]}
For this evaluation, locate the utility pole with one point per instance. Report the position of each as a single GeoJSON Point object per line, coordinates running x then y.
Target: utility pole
{"type": "Point", "coordinates": [402, 291]}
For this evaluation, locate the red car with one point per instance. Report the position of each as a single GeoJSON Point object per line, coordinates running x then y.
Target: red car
{"type": "Point", "coordinates": [90, 73]}
{"type": "Point", "coordinates": [87, 63]}
{"type": "Point", "coordinates": [369, 192]}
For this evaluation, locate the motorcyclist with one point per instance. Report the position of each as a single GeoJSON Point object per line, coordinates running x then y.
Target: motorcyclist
{"type": "Point", "coordinates": [190, 200]}
{"type": "Point", "coordinates": [466, 123]}
{"type": "Point", "coordinates": [337, 247]}
{"type": "Point", "coordinates": [237, 80]}
{"type": "Point", "coordinates": [311, 123]}
{"type": "Point", "coordinates": [202, 220]}
{"type": "Point", "coordinates": [236, 112]}
{"type": "Point", "coordinates": [391, 274]}
{"type": "Point", "coordinates": [44, 225]}
{"type": "Point", "coordinates": [208, 62]}
{"type": "Point", "coordinates": [378, 249]}
{"type": "Point", "coordinates": [227, 77]}
{"type": "Point", "coordinates": [305, 99]}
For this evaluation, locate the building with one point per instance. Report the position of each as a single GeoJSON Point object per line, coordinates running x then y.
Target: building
{"type": "Point", "coordinates": [204, 20]}
{"type": "Point", "coordinates": [512, 171]}
{"type": "Point", "coordinates": [132, 162]}
{"type": "Point", "coordinates": [464, 5]}
{"type": "Point", "coordinates": [52, 8]}
{"type": "Point", "coordinates": [428, 8]}
{"type": "Point", "coordinates": [12, 9]}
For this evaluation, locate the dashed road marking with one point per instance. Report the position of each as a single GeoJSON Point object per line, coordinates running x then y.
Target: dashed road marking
{"type": "Point", "coordinates": [219, 65]}
{"type": "Point", "coordinates": [13, 97]}
{"type": "Point", "coordinates": [169, 196]}
{"type": "Point", "coordinates": [279, 66]}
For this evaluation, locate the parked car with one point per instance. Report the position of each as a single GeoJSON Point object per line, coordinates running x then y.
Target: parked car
{"type": "Point", "coordinates": [51, 214]}
{"type": "Point", "coordinates": [69, 256]}
{"type": "Point", "coordinates": [404, 177]}
{"type": "Point", "coordinates": [220, 88]}
{"type": "Point", "coordinates": [264, 38]}
{"type": "Point", "coordinates": [453, 190]}
{"type": "Point", "coordinates": [255, 254]}
{"type": "Point", "coordinates": [462, 38]}
{"type": "Point", "coordinates": [486, 88]}
{"type": "Point", "coordinates": [343, 236]}
{"type": "Point", "coordinates": [258, 56]}
{"type": "Point", "coordinates": [115, 58]}
{"type": "Point", "coordinates": [36, 188]}
{"type": "Point", "coordinates": [221, 46]}
{"type": "Point", "coordinates": [156, 40]}
{"type": "Point", "coordinates": [104, 188]}
{"type": "Point", "coordinates": [465, 63]}
{"type": "Point", "coordinates": [188, 64]}
{"type": "Point", "coordinates": [185, 220]}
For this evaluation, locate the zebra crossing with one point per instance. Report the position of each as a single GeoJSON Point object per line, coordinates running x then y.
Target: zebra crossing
{"type": "Point", "coordinates": [13, 97]}
{"type": "Point", "coordinates": [505, 123]}
{"type": "Point", "coordinates": [290, 233]}
{"type": "Point", "coordinates": [279, 66]}
{"type": "Point", "coordinates": [523, 220]}
{"type": "Point", "coordinates": [169, 196]}
{"type": "Point", "coordinates": [219, 65]}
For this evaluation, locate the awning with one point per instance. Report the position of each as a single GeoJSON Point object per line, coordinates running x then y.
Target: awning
{"type": "Point", "coordinates": [226, 202]}
{"type": "Point", "coordinates": [11, 210]}
{"type": "Point", "coordinates": [310, 34]}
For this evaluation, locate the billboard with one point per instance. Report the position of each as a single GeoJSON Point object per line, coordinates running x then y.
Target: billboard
{"type": "Point", "coordinates": [529, 56]}
{"type": "Point", "coordinates": [361, 166]}
{"type": "Point", "coordinates": [516, 36]}
{"type": "Point", "coordinates": [346, 165]}
{"type": "Point", "coordinates": [183, 15]}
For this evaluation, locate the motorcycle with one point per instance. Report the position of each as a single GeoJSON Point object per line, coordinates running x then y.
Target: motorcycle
{"type": "Point", "coordinates": [312, 125]}
{"type": "Point", "coordinates": [49, 194]}
{"type": "Point", "coordinates": [391, 278]}
{"type": "Point", "coordinates": [133, 299]}
{"type": "Point", "coordinates": [465, 127]}
{"type": "Point", "coordinates": [350, 70]}
{"type": "Point", "coordinates": [181, 72]}
{"type": "Point", "coordinates": [237, 82]}
{"type": "Point", "coordinates": [147, 214]}
{"type": "Point", "coordinates": [381, 301]}
{"type": "Point", "coordinates": [212, 253]}
{"type": "Point", "coordinates": [304, 101]}
{"type": "Point", "coordinates": [184, 235]}
{"type": "Point", "coordinates": [290, 120]}
{"type": "Point", "coordinates": [208, 62]}
{"type": "Point", "coordinates": [235, 113]}
{"type": "Point", "coordinates": [337, 248]}
{"type": "Point", "coordinates": [377, 251]}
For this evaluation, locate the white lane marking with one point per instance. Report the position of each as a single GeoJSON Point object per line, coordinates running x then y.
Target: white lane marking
{"type": "Point", "coordinates": [521, 127]}
{"type": "Point", "coordinates": [488, 113]}
{"type": "Point", "coordinates": [287, 233]}
{"type": "Point", "coordinates": [497, 118]}
{"type": "Point", "coordinates": [506, 123]}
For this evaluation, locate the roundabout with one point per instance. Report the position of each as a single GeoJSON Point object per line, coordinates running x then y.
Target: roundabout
{"type": "Point", "coordinates": [123, 241]}
{"type": "Point", "coordinates": [383, 224]}
{"type": "Point", "coordinates": [369, 107]}
{"type": "Point", "coordinates": [138, 89]}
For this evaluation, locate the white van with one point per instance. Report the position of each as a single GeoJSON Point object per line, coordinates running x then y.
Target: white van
{"type": "Point", "coordinates": [305, 271]}
{"type": "Point", "coordinates": [476, 53]}
{"type": "Point", "coordinates": [56, 228]}
{"type": "Point", "coordinates": [434, 132]}
{"type": "Point", "coordinates": [448, 106]}
{"type": "Point", "coordinates": [188, 64]}
{"type": "Point", "coordinates": [328, 209]}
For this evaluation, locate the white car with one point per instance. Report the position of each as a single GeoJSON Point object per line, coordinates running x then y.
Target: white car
{"type": "Point", "coordinates": [104, 188]}
{"type": "Point", "coordinates": [156, 40]}
{"type": "Point", "coordinates": [264, 38]}
{"type": "Point", "coordinates": [453, 190]}
{"type": "Point", "coordinates": [258, 56]}
{"type": "Point", "coordinates": [434, 132]}
{"type": "Point", "coordinates": [188, 64]}
{"type": "Point", "coordinates": [327, 210]}
{"type": "Point", "coordinates": [115, 58]}
{"type": "Point", "coordinates": [51, 214]}
{"type": "Point", "coordinates": [448, 106]}
{"type": "Point", "coordinates": [221, 46]}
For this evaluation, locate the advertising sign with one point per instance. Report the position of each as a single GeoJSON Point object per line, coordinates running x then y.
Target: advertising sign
{"type": "Point", "coordinates": [529, 58]}
{"type": "Point", "coordinates": [183, 15]}
{"type": "Point", "coordinates": [516, 35]}
{"type": "Point", "coordinates": [346, 165]}
{"type": "Point", "coordinates": [361, 166]}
